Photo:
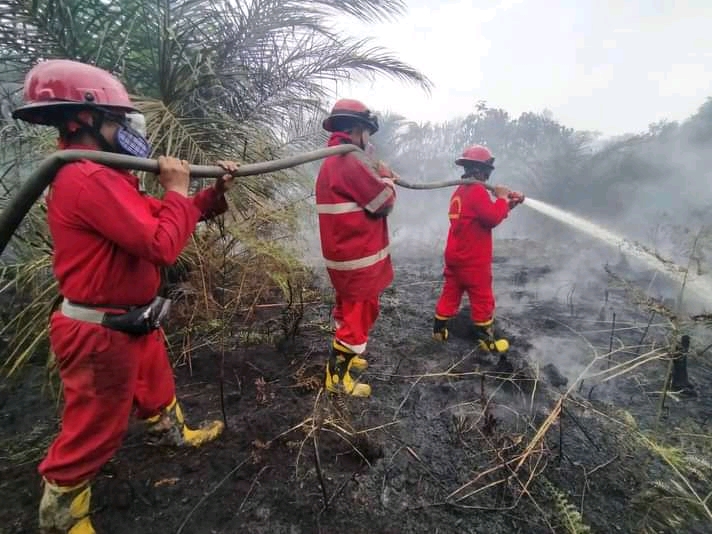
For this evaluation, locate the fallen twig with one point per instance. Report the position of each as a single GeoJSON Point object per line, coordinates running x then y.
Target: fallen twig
{"type": "Point", "coordinates": [580, 426]}
{"type": "Point", "coordinates": [653, 313]}
{"type": "Point", "coordinates": [603, 465]}
{"type": "Point", "coordinates": [249, 491]}
{"type": "Point", "coordinates": [317, 464]}
{"type": "Point", "coordinates": [338, 491]}
{"type": "Point", "coordinates": [610, 344]}
{"type": "Point", "coordinates": [208, 494]}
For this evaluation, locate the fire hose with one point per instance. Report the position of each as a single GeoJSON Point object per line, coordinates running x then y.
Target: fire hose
{"type": "Point", "coordinates": [440, 185]}
{"type": "Point", "coordinates": [13, 214]}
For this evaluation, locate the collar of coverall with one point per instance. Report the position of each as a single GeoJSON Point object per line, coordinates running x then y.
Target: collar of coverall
{"type": "Point", "coordinates": [339, 138]}
{"type": "Point", "coordinates": [127, 174]}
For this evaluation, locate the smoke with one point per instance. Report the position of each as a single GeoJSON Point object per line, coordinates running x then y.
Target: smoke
{"type": "Point", "coordinates": [650, 188]}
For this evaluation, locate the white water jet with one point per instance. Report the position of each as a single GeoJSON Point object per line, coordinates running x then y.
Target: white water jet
{"type": "Point", "coordinates": [700, 287]}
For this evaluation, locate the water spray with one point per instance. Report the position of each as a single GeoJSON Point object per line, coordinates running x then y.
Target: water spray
{"type": "Point", "coordinates": [702, 288]}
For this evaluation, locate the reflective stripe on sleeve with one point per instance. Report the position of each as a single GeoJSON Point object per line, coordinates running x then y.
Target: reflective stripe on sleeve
{"type": "Point", "coordinates": [340, 207]}
{"type": "Point", "coordinates": [358, 263]}
{"type": "Point", "coordinates": [380, 199]}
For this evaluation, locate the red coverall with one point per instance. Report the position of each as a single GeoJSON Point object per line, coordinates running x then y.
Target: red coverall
{"type": "Point", "coordinates": [468, 252]}
{"type": "Point", "coordinates": [354, 241]}
{"type": "Point", "coordinates": [109, 243]}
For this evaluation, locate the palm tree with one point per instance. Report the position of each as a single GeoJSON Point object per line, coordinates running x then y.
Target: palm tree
{"type": "Point", "coordinates": [216, 80]}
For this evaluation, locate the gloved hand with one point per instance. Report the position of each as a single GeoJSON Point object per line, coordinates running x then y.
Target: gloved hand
{"type": "Point", "coordinates": [515, 198]}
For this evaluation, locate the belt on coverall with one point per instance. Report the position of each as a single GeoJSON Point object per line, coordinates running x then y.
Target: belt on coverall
{"type": "Point", "coordinates": [136, 320]}
{"type": "Point", "coordinates": [88, 314]}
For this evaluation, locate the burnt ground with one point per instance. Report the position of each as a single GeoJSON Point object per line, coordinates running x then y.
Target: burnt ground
{"type": "Point", "coordinates": [445, 445]}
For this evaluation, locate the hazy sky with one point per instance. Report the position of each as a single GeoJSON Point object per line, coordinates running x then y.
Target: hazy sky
{"type": "Point", "coordinates": [611, 66]}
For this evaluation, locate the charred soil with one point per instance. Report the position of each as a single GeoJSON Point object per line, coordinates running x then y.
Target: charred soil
{"type": "Point", "coordinates": [448, 443]}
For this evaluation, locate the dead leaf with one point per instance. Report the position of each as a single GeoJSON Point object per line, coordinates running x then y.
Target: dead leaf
{"type": "Point", "coordinates": [165, 482]}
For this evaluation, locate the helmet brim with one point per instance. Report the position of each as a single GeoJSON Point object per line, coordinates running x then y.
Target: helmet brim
{"type": "Point", "coordinates": [51, 113]}
{"type": "Point", "coordinates": [465, 161]}
{"type": "Point", "coordinates": [328, 123]}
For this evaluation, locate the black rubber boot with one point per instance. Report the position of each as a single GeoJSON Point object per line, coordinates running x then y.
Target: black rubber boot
{"type": "Point", "coordinates": [440, 331]}
{"type": "Point", "coordinates": [680, 383]}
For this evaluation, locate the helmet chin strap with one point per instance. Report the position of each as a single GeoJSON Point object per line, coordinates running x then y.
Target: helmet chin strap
{"type": "Point", "coordinates": [94, 130]}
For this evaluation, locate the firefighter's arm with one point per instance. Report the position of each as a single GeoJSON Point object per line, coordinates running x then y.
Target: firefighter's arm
{"type": "Point", "coordinates": [111, 207]}
{"type": "Point", "coordinates": [487, 212]}
{"type": "Point", "coordinates": [360, 182]}
{"type": "Point", "coordinates": [209, 201]}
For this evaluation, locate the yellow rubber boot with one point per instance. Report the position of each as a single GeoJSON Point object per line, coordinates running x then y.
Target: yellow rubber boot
{"type": "Point", "coordinates": [440, 331]}
{"type": "Point", "coordinates": [170, 428]}
{"type": "Point", "coordinates": [65, 509]}
{"type": "Point", "coordinates": [357, 363]}
{"type": "Point", "coordinates": [339, 379]}
{"type": "Point", "coordinates": [486, 336]}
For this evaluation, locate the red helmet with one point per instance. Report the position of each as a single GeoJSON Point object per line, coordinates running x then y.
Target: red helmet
{"type": "Point", "coordinates": [353, 110]}
{"type": "Point", "coordinates": [476, 155]}
{"type": "Point", "coordinates": [61, 84]}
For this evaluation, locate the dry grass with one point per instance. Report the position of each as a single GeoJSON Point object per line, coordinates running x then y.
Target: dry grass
{"type": "Point", "coordinates": [512, 457]}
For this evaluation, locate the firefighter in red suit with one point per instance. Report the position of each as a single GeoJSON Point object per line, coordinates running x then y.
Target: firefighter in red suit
{"type": "Point", "coordinates": [468, 252]}
{"type": "Point", "coordinates": [354, 195]}
{"type": "Point", "coordinates": [110, 241]}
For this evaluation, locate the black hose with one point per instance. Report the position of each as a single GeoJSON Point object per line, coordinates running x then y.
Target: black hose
{"type": "Point", "coordinates": [32, 189]}
{"type": "Point", "coordinates": [439, 185]}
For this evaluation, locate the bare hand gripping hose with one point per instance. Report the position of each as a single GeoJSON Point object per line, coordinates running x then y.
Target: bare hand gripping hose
{"type": "Point", "coordinates": [32, 189]}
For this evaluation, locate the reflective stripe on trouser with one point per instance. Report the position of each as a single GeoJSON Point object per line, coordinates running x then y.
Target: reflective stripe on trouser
{"type": "Point", "coordinates": [358, 263]}
{"type": "Point", "coordinates": [478, 285]}
{"type": "Point", "coordinates": [354, 320]}
{"type": "Point", "coordinates": [104, 374]}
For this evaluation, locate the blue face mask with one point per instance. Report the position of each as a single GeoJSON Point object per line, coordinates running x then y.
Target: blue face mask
{"type": "Point", "coordinates": [131, 136]}
{"type": "Point", "coordinates": [131, 142]}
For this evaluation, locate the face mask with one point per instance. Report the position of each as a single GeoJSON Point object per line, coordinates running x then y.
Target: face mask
{"type": "Point", "coordinates": [131, 136]}
{"type": "Point", "coordinates": [137, 121]}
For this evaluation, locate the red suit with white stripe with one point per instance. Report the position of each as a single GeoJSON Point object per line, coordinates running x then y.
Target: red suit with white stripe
{"type": "Point", "coordinates": [352, 202]}
{"type": "Point", "coordinates": [110, 242]}
{"type": "Point", "coordinates": [110, 262]}
{"type": "Point", "coordinates": [468, 252]}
